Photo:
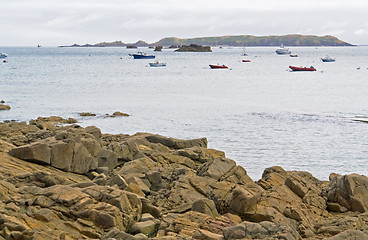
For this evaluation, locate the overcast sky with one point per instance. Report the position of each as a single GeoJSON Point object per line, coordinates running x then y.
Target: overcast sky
{"type": "Point", "coordinates": [65, 22]}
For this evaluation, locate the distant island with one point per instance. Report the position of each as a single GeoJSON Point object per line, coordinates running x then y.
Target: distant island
{"type": "Point", "coordinates": [194, 48]}
{"type": "Point", "coordinates": [235, 41]}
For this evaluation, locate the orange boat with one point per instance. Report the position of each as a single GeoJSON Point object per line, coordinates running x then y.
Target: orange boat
{"type": "Point", "coordinates": [218, 66]}
{"type": "Point", "coordinates": [297, 69]}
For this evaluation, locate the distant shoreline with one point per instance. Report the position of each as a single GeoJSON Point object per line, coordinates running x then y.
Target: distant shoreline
{"type": "Point", "coordinates": [291, 40]}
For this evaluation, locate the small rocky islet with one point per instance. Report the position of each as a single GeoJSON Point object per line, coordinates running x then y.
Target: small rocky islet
{"type": "Point", "coordinates": [59, 180]}
{"type": "Point", "coordinates": [3, 106]}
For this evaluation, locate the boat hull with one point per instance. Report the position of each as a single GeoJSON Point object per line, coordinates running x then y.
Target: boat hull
{"type": "Point", "coordinates": [137, 56]}
{"type": "Point", "coordinates": [302, 69]}
{"type": "Point", "coordinates": [218, 66]}
{"type": "Point", "coordinates": [283, 52]}
{"type": "Point", "coordinates": [328, 60]}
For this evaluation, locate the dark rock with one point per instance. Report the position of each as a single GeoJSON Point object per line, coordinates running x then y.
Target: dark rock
{"type": "Point", "coordinates": [194, 48]}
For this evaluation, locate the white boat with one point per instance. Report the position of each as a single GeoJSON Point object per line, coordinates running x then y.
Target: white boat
{"type": "Point", "coordinates": [283, 51]}
{"type": "Point", "coordinates": [328, 59]}
{"type": "Point", "coordinates": [3, 55]}
{"type": "Point", "coordinates": [157, 64]}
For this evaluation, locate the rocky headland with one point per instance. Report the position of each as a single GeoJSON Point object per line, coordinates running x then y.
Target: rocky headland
{"type": "Point", "coordinates": [59, 180]}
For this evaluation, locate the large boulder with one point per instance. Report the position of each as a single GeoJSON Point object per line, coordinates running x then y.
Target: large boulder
{"type": "Point", "coordinates": [71, 151]}
{"type": "Point", "coordinates": [37, 153]}
{"type": "Point", "coordinates": [349, 191]}
{"type": "Point", "coordinates": [244, 199]}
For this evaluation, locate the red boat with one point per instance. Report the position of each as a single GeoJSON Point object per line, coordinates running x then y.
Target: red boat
{"type": "Point", "coordinates": [311, 68]}
{"type": "Point", "coordinates": [293, 55]}
{"type": "Point", "coordinates": [245, 60]}
{"type": "Point", "coordinates": [218, 66]}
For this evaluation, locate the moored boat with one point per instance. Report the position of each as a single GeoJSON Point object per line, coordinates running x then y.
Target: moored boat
{"type": "Point", "coordinates": [141, 55]}
{"type": "Point", "coordinates": [297, 69]}
{"type": "Point", "coordinates": [293, 55]}
{"type": "Point", "coordinates": [283, 51]}
{"type": "Point", "coordinates": [3, 55]}
{"type": "Point", "coordinates": [328, 59]}
{"type": "Point", "coordinates": [245, 60]}
{"type": "Point", "coordinates": [218, 66]}
{"type": "Point", "coordinates": [157, 64]}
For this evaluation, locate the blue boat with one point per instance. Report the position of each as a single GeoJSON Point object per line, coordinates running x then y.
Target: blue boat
{"type": "Point", "coordinates": [3, 55]}
{"type": "Point", "coordinates": [142, 55]}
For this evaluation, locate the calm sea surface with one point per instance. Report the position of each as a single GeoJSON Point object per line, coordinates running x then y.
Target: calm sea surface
{"type": "Point", "coordinates": [259, 113]}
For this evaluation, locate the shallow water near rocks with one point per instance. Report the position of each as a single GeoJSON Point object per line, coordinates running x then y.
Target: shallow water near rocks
{"type": "Point", "coordinates": [259, 113]}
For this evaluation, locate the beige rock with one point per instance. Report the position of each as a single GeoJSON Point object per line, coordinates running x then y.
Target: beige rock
{"type": "Point", "coordinates": [217, 224]}
{"type": "Point", "coordinates": [118, 235]}
{"type": "Point", "coordinates": [83, 161]}
{"type": "Point", "coordinates": [262, 230]}
{"type": "Point", "coordinates": [87, 114]}
{"type": "Point", "coordinates": [350, 234]}
{"type": "Point", "coordinates": [244, 199]}
{"type": "Point", "coordinates": [107, 158]}
{"type": "Point", "coordinates": [206, 235]}
{"type": "Point", "coordinates": [201, 154]}
{"type": "Point", "coordinates": [216, 168]}
{"type": "Point", "coordinates": [177, 143]}
{"type": "Point", "coordinates": [37, 152]}
{"type": "Point", "coordinates": [349, 191]}
{"type": "Point", "coordinates": [147, 227]}
{"type": "Point", "coordinates": [155, 179]}
{"type": "Point", "coordinates": [205, 206]}
{"type": "Point", "coordinates": [120, 114]}
{"type": "Point", "coordinates": [4, 107]}
{"type": "Point", "coordinates": [140, 183]}
{"type": "Point", "coordinates": [62, 155]}
{"type": "Point", "coordinates": [126, 151]}
{"type": "Point", "coordinates": [118, 180]}
{"type": "Point", "coordinates": [134, 188]}
{"type": "Point", "coordinates": [273, 176]}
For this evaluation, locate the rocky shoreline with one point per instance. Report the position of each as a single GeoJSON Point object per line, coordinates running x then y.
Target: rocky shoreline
{"type": "Point", "coordinates": [62, 181]}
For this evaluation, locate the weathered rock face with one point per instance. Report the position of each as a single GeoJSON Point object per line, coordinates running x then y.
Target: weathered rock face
{"type": "Point", "coordinates": [350, 192]}
{"type": "Point", "coordinates": [67, 151]}
{"type": "Point", "coordinates": [50, 203]}
{"type": "Point", "coordinates": [76, 183]}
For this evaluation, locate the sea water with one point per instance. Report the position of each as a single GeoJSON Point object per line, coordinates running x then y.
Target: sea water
{"type": "Point", "coordinates": [259, 113]}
